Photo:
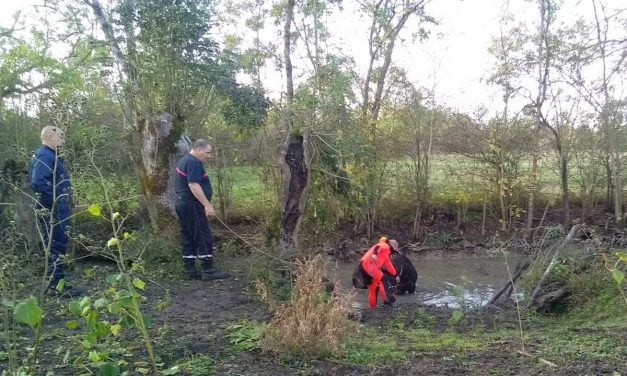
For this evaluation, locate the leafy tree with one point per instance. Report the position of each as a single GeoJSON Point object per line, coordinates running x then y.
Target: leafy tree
{"type": "Point", "coordinates": [169, 68]}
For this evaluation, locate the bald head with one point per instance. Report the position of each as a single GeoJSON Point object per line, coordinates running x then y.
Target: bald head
{"type": "Point", "coordinates": [53, 137]}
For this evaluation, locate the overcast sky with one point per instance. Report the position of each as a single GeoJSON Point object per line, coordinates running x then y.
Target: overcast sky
{"type": "Point", "coordinates": [454, 58]}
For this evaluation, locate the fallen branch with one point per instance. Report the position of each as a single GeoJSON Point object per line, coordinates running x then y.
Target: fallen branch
{"type": "Point", "coordinates": [519, 271]}
{"type": "Point", "coordinates": [546, 302]}
{"type": "Point", "coordinates": [554, 259]}
{"type": "Point", "coordinates": [541, 360]}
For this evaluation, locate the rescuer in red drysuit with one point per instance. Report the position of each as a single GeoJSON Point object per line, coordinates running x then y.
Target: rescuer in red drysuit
{"type": "Point", "coordinates": [377, 257]}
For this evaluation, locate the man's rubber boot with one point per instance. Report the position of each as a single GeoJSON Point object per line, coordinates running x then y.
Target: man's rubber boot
{"type": "Point", "coordinates": [190, 269]}
{"type": "Point", "coordinates": [67, 292]}
{"type": "Point", "coordinates": [210, 273]}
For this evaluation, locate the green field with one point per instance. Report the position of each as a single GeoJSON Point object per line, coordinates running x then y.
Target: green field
{"type": "Point", "coordinates": [252, 191]}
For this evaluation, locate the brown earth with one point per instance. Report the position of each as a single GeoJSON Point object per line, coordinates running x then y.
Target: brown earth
{"type": "Point", "coordinates": [195, 318]}
{"type": "Point", "coordinates": [194, 323]}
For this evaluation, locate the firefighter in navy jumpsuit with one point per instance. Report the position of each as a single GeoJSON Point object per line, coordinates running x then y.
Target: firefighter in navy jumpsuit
{"type": "Point", "coordinates": [51, 183]}
{"type": "Point", "coordinates": [193, 206]}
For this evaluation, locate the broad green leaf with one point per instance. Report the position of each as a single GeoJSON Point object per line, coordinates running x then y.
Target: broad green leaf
{"type": "Point", "coordinates": [127, 235]}
{"type": "Point", "coordinates": [138, 283]}
{"type": "Point", "coordinates": [85, 302]}
{"type": "Point", "coordinates": [113, 242]}
{"type": "Point", "coordinates": [85, 310]}
{"type": "Point", "coordinates": [60, 285]}
{"type": "Point", "coordinates": [115, 308]}
{"type": "Point", "coordinates": [622, 256]}
{"type": "Point", "coordinates": [95, 210]}
{"type": "Point", "coordinates": [618, 276]}
{"type": "Point", "coordinates": [126, 321]}
{"type": "Point", "coordinates": [75, 307]}
{"type": "Point", "coordinates": [94, 357]}
{"type": "Point", "coordinates": [115, 216]}
{"type": "Point", "coordinates": [28, 312]}
{"type": "Point", "coordinates": [113, 278]}
{"type": "Point", "coordinates": [73, 324]}
{"type": "Point", "coordinates": [115, 329]}
{"type": "Point", "coordinates": [91, 317]}
{"type": "Point", "coordinates": [101, 303]}
{"type": "Point", "coordinates": [102, 328]}
{"type": "Point", "coordinates": [109, 369]}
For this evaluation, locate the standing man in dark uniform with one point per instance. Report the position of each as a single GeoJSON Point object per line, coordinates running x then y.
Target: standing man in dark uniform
{"type": "Point", "coordinates": [51, 183]}
{"type": "Point", "coordinates": [193, 206]}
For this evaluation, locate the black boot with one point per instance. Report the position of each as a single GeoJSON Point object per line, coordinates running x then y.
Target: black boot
{"type": "Point", "coordinates": [190, 269]}
{"type": "Point", "coordinates": [210, 273]}
{"type": "Point", "coordinates": [65, 291]}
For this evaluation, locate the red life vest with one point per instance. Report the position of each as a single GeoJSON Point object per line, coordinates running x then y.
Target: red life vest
{"type": "Point", "coordinates": [378, 256]}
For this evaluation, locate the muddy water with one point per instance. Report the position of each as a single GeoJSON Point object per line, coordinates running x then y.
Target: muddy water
{"type": "Point", "coordinates": [442, 281]}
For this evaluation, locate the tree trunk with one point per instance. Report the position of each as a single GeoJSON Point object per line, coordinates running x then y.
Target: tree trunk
{"type": "Point", "coordinates": [158, 149]}
{"type": "Point", "coordinates": [612, 150]}
{"type": "Point", "coordinates": [159, 133]}
{"type": "Point", "coordinates": [544, 62]}
{"type": "Point", "coordinates": [222, 188]}
{"type": "Point", "coordinates": [15, 188]}
{"type": "Point", "coordinates": [459, 217]}
{"type": "Point", "coordinates": [565, 193]}
{"type": "Point", "coordinates": [416, 225]}
{"type": "Point", "coordinates": [609, 193]}
{"type": "Point", "coordinates": [532, 191]}
{"type": "Point", "coordinates": [295, 170]}
{"type": "Point", "coordinates": [617, 187]}
{"type": "Point", "coordinates": [502, 203]}
{"type": "Point", "coordinates": [294, 156]}
{"type": "Point", "coordinates": [287, 43]}
{"type": "Point", "coordinates": [483, 218]}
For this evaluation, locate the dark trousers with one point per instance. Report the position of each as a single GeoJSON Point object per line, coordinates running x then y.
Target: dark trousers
{"type": "Point", "coordinates": [54, 231]}
{"type": "Point", "coordinates": [196, 238]}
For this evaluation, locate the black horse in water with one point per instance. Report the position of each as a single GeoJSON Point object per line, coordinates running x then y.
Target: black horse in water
{"type": "Point", "coordinates": [404, 268]}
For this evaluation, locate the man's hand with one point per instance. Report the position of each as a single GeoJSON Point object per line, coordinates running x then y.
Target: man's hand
{"type": "Point", "coordinates": [398, 278]}
{"type": "Point", "coordinates": [209, 211]}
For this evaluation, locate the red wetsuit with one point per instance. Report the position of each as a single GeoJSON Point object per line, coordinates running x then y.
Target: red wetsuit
{"type": "Point", "coordinates": [376, 257]}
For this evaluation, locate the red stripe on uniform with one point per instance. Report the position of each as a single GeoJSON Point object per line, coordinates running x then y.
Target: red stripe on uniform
{"type": "Point", "coordinates": [180, 172]}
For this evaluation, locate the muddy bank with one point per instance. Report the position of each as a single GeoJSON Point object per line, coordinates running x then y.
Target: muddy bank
{"type": "Point", "coordinates": [191, 320]}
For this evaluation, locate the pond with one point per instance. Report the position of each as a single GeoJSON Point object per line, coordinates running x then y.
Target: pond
{"type": "Point", "coordinates": [441, 281]}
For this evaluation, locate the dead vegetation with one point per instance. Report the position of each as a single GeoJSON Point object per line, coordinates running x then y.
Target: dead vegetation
{"type": "Point", "coordinates": [312, 321]}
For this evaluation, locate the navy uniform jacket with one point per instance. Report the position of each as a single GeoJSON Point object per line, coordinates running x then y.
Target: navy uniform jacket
{"type": "Point", "coordinates": [189, 169]}
{"type": "Point", "coordinates": [42, 168]}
